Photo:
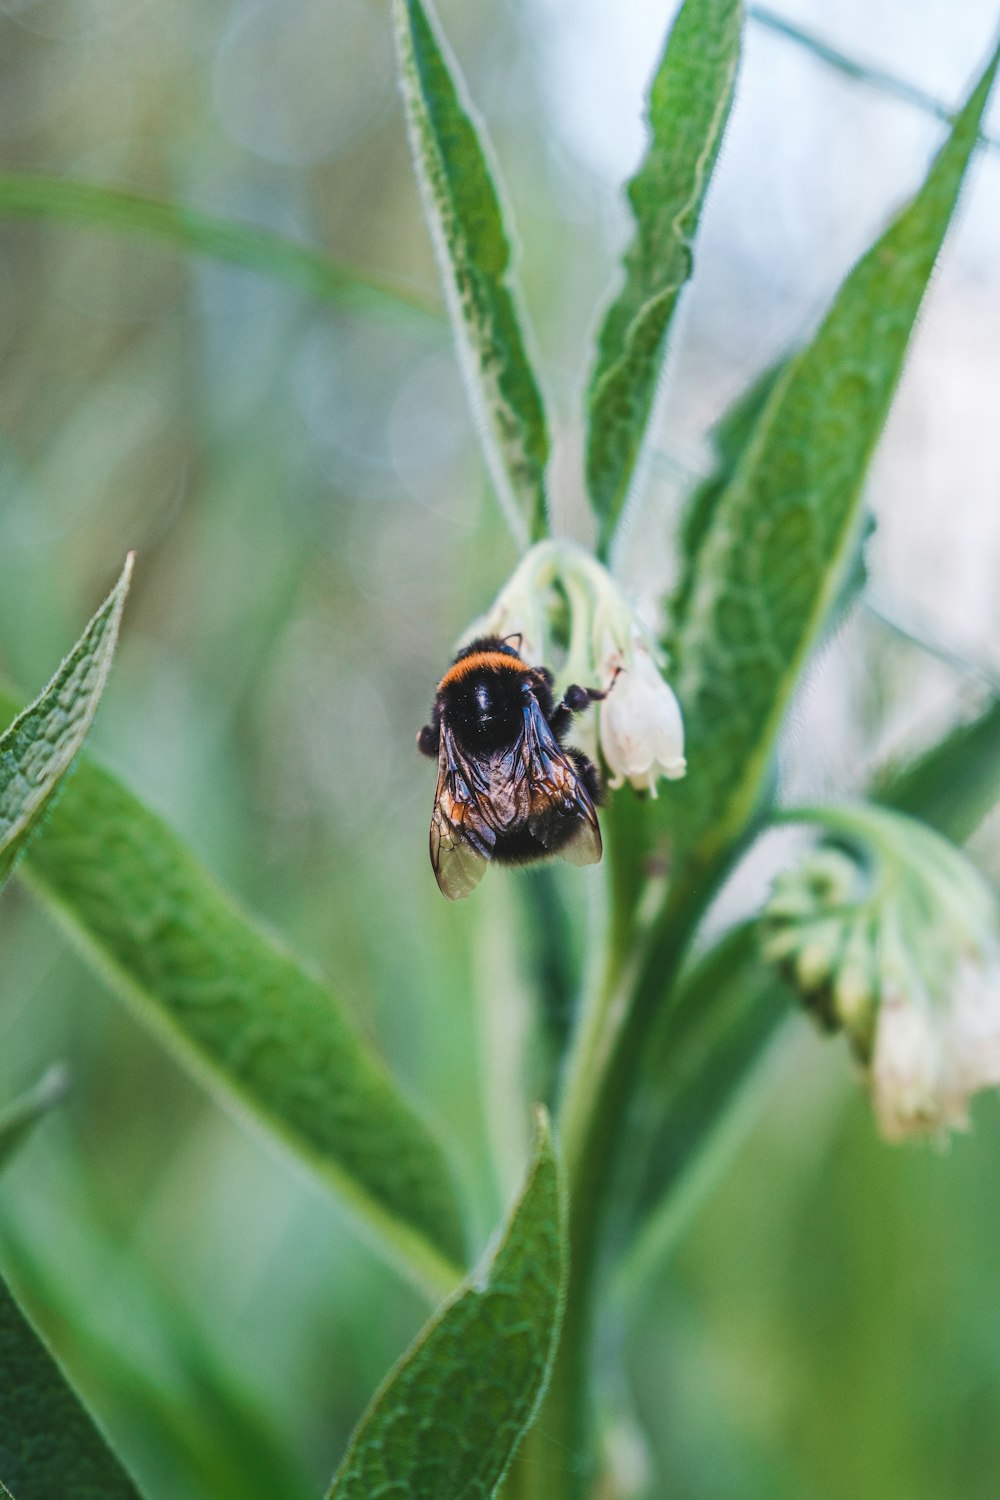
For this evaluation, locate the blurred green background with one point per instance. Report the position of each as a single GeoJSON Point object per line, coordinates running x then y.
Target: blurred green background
{"type": "Point", "coordinates": [314, 529]}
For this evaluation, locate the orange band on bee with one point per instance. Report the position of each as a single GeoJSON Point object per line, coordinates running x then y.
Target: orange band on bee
{"type": "Point", "coordinates": [479, 660]}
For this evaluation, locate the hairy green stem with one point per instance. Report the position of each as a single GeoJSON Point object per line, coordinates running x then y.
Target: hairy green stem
{"type": "Point", "coordinates": [559, 1456]}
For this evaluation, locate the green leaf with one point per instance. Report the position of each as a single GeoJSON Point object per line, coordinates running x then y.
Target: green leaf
{"type": "Point", "coordinates": [50, 1448]}
{"type": "Point", "coordinates": [953, 785]}
{"type": "Point", "coordinates": [447, 1421]}
{"type": "Point", "coordinates": [473, 246]}
{"type": "Point", "coordinates": [243, 1016]}
{"type": "Point", "coordinates": [200, 1432]}
{"type": "Point", "coordinates": [39, 747]}
{"type": "Point", "coordinates": [177, 225]}
{"type": "Point", "coordinates": [729, 437]}
{"type": "Point", "coordinates": [18, 1118]}
{"type": "Point", "coordinates": [784, 534]}
{"type": "Point", "coordinates": [688, 109]}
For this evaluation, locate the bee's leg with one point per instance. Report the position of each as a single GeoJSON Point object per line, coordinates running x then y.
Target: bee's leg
{"type": "Point", "coordinates": [589, 774]}
{"type": "Point", "coordinates": [575, 700]}
{"type": "Point", "coordinates": [429, 738]}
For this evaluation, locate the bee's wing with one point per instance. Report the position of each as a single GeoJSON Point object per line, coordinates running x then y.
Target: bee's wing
{"type": "Point", "coordinates": [462, 836]}
{"type": "Point", "coordinates": [556, 785]}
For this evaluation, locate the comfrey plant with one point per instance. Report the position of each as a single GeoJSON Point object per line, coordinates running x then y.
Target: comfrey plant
{"type": "Point", "coordinates": [884, 931]}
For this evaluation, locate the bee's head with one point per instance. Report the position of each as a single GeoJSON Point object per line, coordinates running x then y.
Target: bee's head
{"type": "Point", "coordinates": [491, 645]}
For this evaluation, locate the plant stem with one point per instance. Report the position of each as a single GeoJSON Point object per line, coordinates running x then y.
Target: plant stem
{"type": "Point", "coordinates": [558, 1458]}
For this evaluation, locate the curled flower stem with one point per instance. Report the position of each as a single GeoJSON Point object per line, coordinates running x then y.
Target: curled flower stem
{"type": "Point", "coordinates": [579, 657]}
{"type": "Point", "coordinates": [944, 870]}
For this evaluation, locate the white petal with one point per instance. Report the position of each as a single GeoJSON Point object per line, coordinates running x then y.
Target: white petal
{"type": "Point", "coordinates": [909, 1086]}
{"type": "Point", "coordinates": [974, 1025]}
{"type": "Point", "coordinates": [642, 733]}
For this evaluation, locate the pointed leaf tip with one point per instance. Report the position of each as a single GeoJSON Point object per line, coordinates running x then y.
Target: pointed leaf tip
{"type": "Point", "coordinates": [449, 1418]}
{"type": "Point", "coordinates": [39, 747]}
{"type": "Point", "coordinates": [689, 105]}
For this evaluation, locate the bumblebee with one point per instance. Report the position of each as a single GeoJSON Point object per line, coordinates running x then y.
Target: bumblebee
{"type": "Point", "coordinates": [508, 790]}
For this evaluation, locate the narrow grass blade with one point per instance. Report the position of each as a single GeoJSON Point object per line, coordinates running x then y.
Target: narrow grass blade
{"type": "Point", "coordinates": [39, 747]}
{"type": "Point", "coordinates": [18, 1118]}
{"type": "Point", "coordinates": [243, 1016]}
{"type": "Point", "coordinates": [875, 78]}
{"type": "Point", "coordinates": [473, 245]}
{"type": "Point", "coordinates": [448, 1420]}
{"type": "Point", "coordinates": [782, 537]}
{"type": "Point", "coordinates": [177, 225]}
{"type": "Point", "coordinates": [50, 1447]}
{"type": "Point", "coordinates": [688, 109]}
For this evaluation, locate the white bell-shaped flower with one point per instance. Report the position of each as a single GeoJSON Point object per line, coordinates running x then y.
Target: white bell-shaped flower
{"type": "Point", "coordinates": [602, 643]}
{"type": "Point", "coordinates": [908, 1068]}
{"type": "Point", "coordinates": [641, 729]}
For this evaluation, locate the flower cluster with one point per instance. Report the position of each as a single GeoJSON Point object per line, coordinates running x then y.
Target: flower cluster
{"type": "Point", "coordinates": [893, 937]}
{"type": "Point", "coordinates": [602, 643]}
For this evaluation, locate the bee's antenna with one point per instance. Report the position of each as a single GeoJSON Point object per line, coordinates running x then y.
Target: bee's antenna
{"type": "Point", "coordinates": [514, 636]}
